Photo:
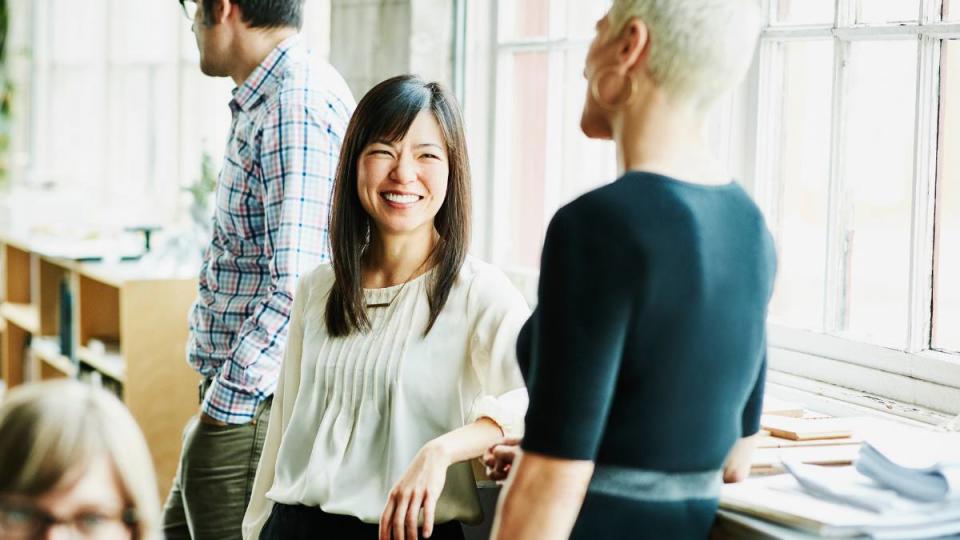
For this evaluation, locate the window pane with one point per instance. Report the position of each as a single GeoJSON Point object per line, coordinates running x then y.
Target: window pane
{"type": "Point", "coordinates": [582, 17]}
{"type": "Point", "coordinates": [804, 12]}
{"type": "Point", "coordinates": [73, 136]}
{"type": "Point", "coordinates": [77, 31]}
{"type": "Point", "coordinates": [524, 19]}
{"type": "Point", "coordinates": [141, 137]}
{"type": "Point", "coordinates": [878, 172]}
{"type": "Point", "coordinates": [879, 11]}
{"type": "Point", "coordinates": [802, 168]}
{"type": "Point", "coordinates": [951, 10]}
{"type": "Point", "coordinates": [143, 31]}
{"type": "Point", "coordinates": [946, 321]}
{"type": "Point", "coordinates": [518, 206]}
{"type": "Point", "coordinates": [587, 163]}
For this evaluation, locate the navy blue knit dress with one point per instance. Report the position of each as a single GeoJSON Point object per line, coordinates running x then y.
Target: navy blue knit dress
{"type": "Point", "coordinates": [647, 352]}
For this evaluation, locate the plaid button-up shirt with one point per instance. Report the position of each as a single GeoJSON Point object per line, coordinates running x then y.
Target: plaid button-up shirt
{"type": "Point", "coordinates": [269, 226]}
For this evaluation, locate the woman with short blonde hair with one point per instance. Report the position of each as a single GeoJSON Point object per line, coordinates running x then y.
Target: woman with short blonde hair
{"type": "Point", "coordinates": [646, 355]}
{"type": "Point", "coordinates": [72, 456]}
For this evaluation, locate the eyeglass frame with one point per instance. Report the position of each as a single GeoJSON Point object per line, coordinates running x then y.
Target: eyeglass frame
{"type": "Point", "coordinates": [189, 13]}
{"type": "Point", "coordinates": [42, 520]}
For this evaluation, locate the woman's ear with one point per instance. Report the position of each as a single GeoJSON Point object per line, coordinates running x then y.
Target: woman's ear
{"type": "Point", "coordinates": [634, 44]}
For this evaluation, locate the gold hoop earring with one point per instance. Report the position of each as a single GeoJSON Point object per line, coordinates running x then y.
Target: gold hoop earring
{"type": "Point", "coordinates": [595, 89]}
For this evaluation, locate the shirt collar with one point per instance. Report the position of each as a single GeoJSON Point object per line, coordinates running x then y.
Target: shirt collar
{"type": "Point", "coordinates": [266, 77]}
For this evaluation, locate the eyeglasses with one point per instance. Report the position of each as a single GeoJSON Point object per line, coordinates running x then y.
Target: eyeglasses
{"type": "Point", "coordinates": [26, 522]}
{"type": "Point", "coordinates": [189, 9]}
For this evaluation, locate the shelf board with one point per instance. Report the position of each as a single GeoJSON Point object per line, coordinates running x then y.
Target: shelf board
{"type": "Point", "coordinates": [108, 368]}
{"type": "Point", "coordinates": [56, 361]}
{"type": "Point", "coordinates": [25, 316]}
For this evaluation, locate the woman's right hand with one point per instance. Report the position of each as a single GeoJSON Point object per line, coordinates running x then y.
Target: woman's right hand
{"type": "Point", "coordinates": [498, 459]}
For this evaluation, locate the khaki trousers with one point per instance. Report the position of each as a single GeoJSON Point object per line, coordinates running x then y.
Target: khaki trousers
{"type": "Point", "coordinates": [214, 479]}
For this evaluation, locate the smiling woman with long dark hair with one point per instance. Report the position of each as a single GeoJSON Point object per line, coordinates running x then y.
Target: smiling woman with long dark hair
{"type": "Point", "coordinates": [400, 365]}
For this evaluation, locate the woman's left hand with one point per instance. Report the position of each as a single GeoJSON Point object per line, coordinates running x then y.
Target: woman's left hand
{"type": "Point", "coordinates": [736, 468]}
{"type": "Point", "coordinates": [418, 488]}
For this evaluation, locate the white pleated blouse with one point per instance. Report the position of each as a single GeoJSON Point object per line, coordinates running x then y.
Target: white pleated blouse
{"type": "Point", "coordinates": [350, 413]}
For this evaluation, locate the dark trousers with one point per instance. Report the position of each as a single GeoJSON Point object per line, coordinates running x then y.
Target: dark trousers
{"type": "Point", "coordinates": [294, 522]}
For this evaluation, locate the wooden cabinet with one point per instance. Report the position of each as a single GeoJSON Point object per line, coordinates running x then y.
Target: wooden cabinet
{"type": "Point", "coordinates": [127, 329]}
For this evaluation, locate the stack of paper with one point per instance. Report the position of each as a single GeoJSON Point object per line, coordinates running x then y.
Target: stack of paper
{"type": "Point", "coordinates": [924, 470]}
{"type": "Point", "coordinates": [839, 502]}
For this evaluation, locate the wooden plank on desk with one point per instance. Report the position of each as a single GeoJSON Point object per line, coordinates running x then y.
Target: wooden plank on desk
{"type": "Point", "coordinates": [769, 441]}
{"type": "Point", "coordinates": [770, 460]}
{"type": "Point", "coordinates": [799, 429]}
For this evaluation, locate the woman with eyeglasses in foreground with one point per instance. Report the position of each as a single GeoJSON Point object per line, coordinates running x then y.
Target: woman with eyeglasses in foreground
{"type": "Point", "coordinates": [73, 460]}
{"type": "Point", "coordinates": [645, 356]}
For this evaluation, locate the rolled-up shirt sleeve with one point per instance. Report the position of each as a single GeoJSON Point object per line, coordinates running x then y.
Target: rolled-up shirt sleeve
{"type": "Point", "coordinates": [500, 312]}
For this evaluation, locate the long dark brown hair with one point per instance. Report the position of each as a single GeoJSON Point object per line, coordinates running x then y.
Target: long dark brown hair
{"type": "Point", "coordinates": [385, 114]}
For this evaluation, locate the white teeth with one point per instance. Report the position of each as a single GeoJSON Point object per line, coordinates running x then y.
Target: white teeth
{"type": "Point", "coordinates": [401, 199]}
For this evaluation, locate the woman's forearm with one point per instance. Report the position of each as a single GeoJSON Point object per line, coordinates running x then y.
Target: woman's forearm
{"type": "Point", "coordinates": [467, 442]}
{"type": "Point", "coordinates": [542, 498]}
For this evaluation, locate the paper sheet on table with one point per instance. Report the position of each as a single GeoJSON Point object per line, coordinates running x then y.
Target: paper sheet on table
{"type": "Point", "coordinates": [781, 499]}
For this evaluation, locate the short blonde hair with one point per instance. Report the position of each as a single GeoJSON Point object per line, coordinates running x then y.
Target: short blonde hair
{"type": "Point", "coordinates": [699, 49]}
{"type": "Point", "coordinates": [50, 431]}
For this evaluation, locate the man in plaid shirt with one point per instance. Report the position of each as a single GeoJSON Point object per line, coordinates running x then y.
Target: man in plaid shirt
{"type": "Point", "coordinates": [290, 114]}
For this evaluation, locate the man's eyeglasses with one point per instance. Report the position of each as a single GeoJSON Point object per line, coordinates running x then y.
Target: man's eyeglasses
{"type": "Point", "coordinates": [189, 9]}
{"type": "Point", "coordinates": [26, 522]}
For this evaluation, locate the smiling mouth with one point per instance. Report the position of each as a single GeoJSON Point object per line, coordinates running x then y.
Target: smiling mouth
{"type": "Point", "coordinates": [402, 199]}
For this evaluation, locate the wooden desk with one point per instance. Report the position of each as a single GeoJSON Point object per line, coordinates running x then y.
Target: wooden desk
{"type": "Point", "coordinates": [145, 315]}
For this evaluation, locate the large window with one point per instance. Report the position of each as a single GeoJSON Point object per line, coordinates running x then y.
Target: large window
{"type": "Point", "coordinates": [843, 131]}
{"type": "Point", "coordinates": [120, 115]}
{"type": "Point", "coordinates": [857, 171]}
{"type": "Point", "coordinates": [523, 93]}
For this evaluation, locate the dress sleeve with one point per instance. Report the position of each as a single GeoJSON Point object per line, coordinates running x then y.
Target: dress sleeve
{"type": "Point", "coordinates": [576, 338]}
{"type": "Point", "coordinates": [259, 508]}
{"type": "Point", "coordinates": [499, 310]}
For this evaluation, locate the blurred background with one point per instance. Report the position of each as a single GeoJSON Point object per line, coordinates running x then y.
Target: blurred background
{"type": "Point", "coordinates": [845, 131]}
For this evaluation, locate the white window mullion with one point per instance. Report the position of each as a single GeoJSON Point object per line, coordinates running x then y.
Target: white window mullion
{"type": "Point", "coordinates": [553, 181]}
{"type": "Point", "coordinates": [40, 89]}
{"type": "Point", "coordinates": [835, 273]}
{"type": "Point", "coordinates": [924, 192]}
{"type": "Point", "coordinates": [767, 188]}
{"type": "Point", "coordinates": [108, 177]}
{"type": "Point", "coordinates": [837, 216]}
{"type": "Point", "coordinates": [930, 11]}
{"type": "Point", "coordinates": [846, 13]}
{"type": "Point", "coordinates": [502, 156]}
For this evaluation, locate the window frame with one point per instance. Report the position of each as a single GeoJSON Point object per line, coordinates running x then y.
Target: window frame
{"type": "Point", "coordinates": [491, 169]}
{"type": "Point", "coordinates": [919, 375]}
{"type": "Point", "coordinates": [837, 368]}
{"type": "Point", "coordinates": [195, 98]}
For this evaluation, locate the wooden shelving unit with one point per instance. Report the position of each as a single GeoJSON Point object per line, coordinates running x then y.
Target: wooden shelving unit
{"type": "Point", "coordinates": [25, 316]}
{"type": "Point", "coordinates": [113, 370]}
{"type": "Point", "coordinates": [143, 318]}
